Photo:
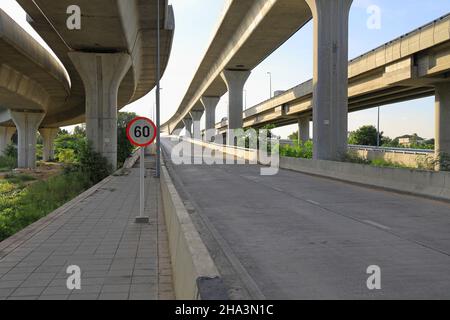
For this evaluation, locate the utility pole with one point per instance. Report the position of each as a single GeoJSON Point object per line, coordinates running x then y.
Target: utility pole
{"type": "Point", "coordinates": [270, 84]}
{"type": "Point", "coordinates": [158, 88]}
{"type": "Point", "coordinates": [378, 128]}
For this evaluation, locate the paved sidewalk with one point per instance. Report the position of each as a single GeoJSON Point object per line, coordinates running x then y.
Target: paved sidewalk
{"type": "Point", "coordinates": [118, 258]}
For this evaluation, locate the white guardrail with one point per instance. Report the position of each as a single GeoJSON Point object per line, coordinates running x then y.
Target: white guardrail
{"type": "Point", "coordinates": [392, 150]}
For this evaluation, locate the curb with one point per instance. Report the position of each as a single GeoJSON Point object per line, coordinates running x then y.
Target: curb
{"type": "Point", "coordinates": [195, 274]}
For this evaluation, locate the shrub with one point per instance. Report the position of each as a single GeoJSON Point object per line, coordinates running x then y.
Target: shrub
{"type": "Point", "coordinates": [92, 164]}
{"type": "Point", "coordinates": [66, 155]}
{"type": "Point", "coordinates": [298, 150]}
{"type": "Point", "coordinates": [9, 160]}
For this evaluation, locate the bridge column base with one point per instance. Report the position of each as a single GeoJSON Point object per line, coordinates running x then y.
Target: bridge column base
{"type": "Point", "coordinates": [303, 129]}
{"type": "Point", "coordinates": [196, 117]}
{"type": "Point", "coordinates": [6, 134]}
{"type": "Point", "coordinates": [210, 104]}
{"type": "Point", "coordinates": [442, 138]}
{"type": "Point", "coordinates": [235, 81]}
{"type": "Point", "coordinates": [102, 74]}
{"type": "Point", "coordinates": [48, 136]}
{"type": "Point", "coordinates": [188, 126]}
{"type": "Point", "coordinates": [27, 124]}
{"type": "Point", "coordinates": [330, 79]}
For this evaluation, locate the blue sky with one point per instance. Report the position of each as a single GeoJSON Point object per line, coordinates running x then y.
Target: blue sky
{"type": "Point", "coordinates": [291, 64]}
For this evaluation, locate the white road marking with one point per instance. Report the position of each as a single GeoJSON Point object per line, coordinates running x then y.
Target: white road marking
{"type": "Point", "coordinates": [313, 202]}
{"type": "Point", "coordinates": [375, 224]}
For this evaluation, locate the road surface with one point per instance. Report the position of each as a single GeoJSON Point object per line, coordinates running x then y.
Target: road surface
{"type": "Point", "coordinates": [296, 236]}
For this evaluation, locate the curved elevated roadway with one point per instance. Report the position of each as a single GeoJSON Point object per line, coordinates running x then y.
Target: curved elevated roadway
{"type": "Point", "coordinates": [32, 84]}
{"type": "Point", "coordinates": [106, 27]}
{"type": "Point", "coordinates": [244, 37]}
{"type": "Point", "coordinates": [110, 60]}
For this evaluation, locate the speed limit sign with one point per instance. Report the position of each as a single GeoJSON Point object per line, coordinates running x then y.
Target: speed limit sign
{"type": "Point", "coordinates": [141, 132]}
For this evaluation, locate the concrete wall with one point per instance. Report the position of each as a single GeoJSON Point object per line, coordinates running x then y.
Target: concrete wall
{"type": "Point", "coordinates": [250, 155]}
{"type": "Point", "coordinates": [408, 159]}
{"type": "Point", "coordinates": [195, 275]}
{"type": "Point", "coordinates": [424, 183]}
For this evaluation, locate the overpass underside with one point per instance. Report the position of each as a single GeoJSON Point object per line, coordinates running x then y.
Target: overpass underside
{"type": "Point", "coordinates": [413, 66]}
{"type": "Point", "coordinates": [108, 52]}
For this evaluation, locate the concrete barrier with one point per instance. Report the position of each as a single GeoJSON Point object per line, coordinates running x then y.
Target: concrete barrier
{"type": "Point", "coordinates": [423, 183]}
{"type": "Point", "coordinates": [409, 159]}
{"type": "Point", "coordinates": [195, 275]}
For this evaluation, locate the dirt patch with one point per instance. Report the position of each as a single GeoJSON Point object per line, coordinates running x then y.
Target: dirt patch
{"type": "Point", "coordinates": [44, 171]}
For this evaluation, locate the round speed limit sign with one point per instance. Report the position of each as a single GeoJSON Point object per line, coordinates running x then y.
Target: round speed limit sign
{"type": "Point", "coordinates": [141, 132]}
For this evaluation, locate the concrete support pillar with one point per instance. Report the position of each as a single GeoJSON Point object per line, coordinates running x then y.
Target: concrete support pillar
{"type": "Point", "coordinates": [188, 126]}
{"type": "Point", "coordinates": [6, 134]}
{"type": "Point", "coordinates": [303, 129]}
{"type": "Point", "coordinates": [196, 116]}
{"type": "Point", "coordinates": [235, 81]}
{"type": "Point", "coordinates": [330, 78]}
{"type": "Point", "coordinates": [27, 125]}
{"type": "Point", "coordinates": [48, 136]}
{"type": "Point", "coordinates": [102, 74]}
{"type": "Point", "coordinates": [210, 104]}
{"type": "Point", "coordinates": [442, 114]}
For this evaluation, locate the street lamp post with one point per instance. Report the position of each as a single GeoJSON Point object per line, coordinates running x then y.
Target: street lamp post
{"type": "Point", "coordinates": [158, 88]}
{"type": "Point", "coordinates": [270, 84]}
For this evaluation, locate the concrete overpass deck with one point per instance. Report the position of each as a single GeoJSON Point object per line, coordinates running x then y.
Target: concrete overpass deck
{"type": "Point", "coordinates": [121, 27]}
{"type": "Point", "coordinates": [296, 236]}
{"type": "Point", "coordinates": [33, 84]}
{"type": "Point", "coordinates": [403, 69]}
{"type": "Point", "coordinates": [30, 78]}
{"type": "Point", "coordinates": [110, 58]}
{"type": "Point", "coordinates": [244, 37]}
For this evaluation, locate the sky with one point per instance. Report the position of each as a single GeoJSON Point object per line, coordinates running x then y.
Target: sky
{"type": "Point", "coordinates": [291, 64]}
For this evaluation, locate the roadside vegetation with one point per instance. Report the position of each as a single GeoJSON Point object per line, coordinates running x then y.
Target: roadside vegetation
{"type": "Point", "coordinates": [26, 197]}
{"type": "Point", "coordinates": [368, 136]}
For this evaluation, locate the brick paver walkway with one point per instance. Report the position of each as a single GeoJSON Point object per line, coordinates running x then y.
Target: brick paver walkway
{"type": "Point", "coordinates": [118, 258]}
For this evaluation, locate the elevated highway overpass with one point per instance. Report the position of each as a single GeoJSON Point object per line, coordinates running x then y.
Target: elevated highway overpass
{"type": "Point", "coordinates": [406, 68]}
{"type": "Point", "coordinates": [246, 36]}
{"type": "Point", "coordinates": [413, 66]}
{"type": "Point", "coordinates": [110, 60]}
{"type": "Point", "coordinates": [32, 84]}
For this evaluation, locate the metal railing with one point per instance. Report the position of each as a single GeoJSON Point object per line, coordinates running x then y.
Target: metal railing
{"type": "Point", "coordinates": [392, 150]}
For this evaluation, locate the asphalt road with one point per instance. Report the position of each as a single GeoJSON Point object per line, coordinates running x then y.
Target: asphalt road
{"type": "Point", "coordinates": [296, 236]}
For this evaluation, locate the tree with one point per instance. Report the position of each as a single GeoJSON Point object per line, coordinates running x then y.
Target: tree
{"type": "Point", "coordinates": [293, 136]}
{"type": "Point", "coordinates": [124, 147]}
{"type": "Point", "coordinates": [80, 131]}
{"type": "Point", "coordinates": [365, 136]}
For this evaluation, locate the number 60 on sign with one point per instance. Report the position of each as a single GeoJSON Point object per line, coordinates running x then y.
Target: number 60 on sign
{"type": "Point", "coordinates": [141, 132]}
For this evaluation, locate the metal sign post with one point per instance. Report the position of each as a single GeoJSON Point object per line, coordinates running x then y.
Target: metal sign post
{"type": "Point", "coordinates": [141, 132]}
{"type": "Point", "coordinates": [142, 183]}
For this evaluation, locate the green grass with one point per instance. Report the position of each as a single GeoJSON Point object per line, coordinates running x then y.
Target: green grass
{"type": "Point", "coordinates": [298, 150]}
{"type": "Point", "coordinates": [21, 206]}
{"type": "Point", "coordinates": [387, 164]}
{"type": "Point", "coordinates": [17, 178]}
